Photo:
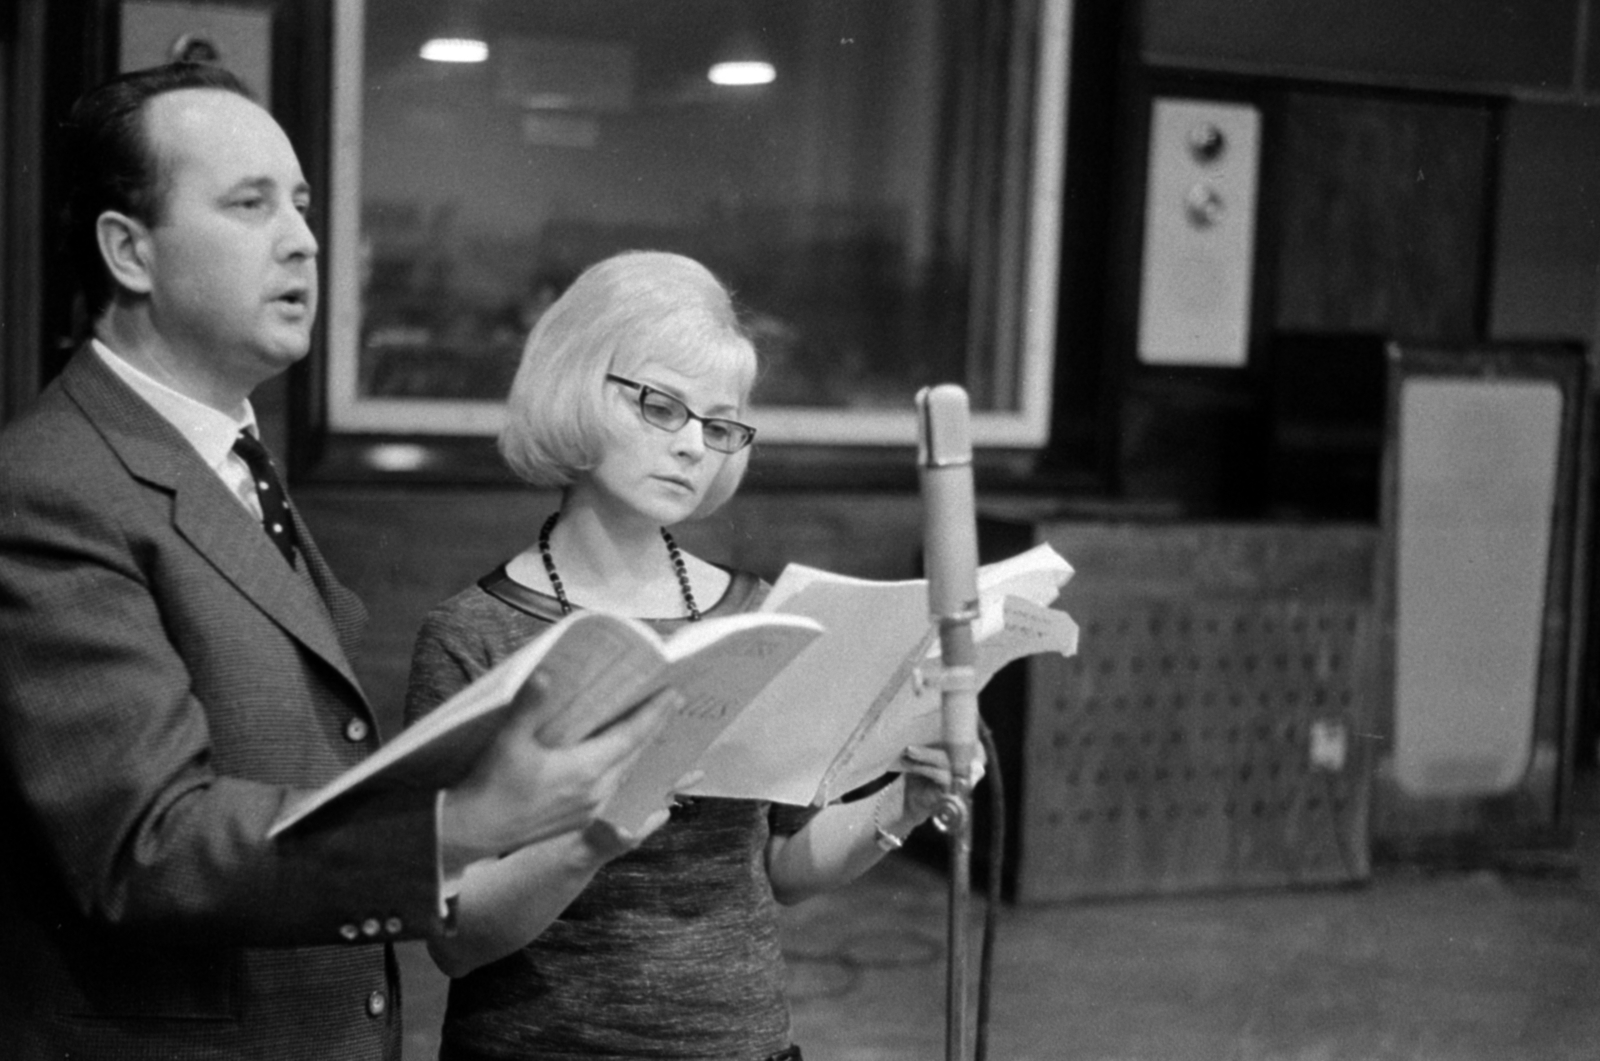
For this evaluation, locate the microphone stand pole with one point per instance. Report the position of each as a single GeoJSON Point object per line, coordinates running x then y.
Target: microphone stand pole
{"type": "Point", "coordinates": [951, 559]}
{"type": "Point", "coordinates": [954, 818]}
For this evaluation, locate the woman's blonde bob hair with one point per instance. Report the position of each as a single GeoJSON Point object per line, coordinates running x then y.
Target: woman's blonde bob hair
{"type": "Point", "coordinates": [630, 310]}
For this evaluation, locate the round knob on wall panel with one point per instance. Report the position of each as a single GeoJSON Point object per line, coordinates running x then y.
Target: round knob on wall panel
{"type": "Point", "coordinates": [1203, 205]}
{"type": "Point", "coordinates": [194, 48]}
{"type": "Point", "coordinates": [1207, 142]}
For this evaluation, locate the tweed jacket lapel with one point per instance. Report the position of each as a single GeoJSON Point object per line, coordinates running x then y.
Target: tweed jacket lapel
{"type": "Point", "coordinates": [327, 621]}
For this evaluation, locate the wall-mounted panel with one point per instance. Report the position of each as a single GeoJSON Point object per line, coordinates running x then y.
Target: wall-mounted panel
{"type": "Point", "coordinates": [1199, 233]}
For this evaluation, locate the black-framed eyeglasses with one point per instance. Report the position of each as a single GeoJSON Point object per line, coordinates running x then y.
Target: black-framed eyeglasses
{"type": "Point", "coordinates": [662, 410]}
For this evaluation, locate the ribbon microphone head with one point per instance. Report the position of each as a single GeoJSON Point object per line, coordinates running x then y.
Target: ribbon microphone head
{"type": "Point", "coordinates": [944, 428]}
{"type": "Point", "coordinates": [950, 529]}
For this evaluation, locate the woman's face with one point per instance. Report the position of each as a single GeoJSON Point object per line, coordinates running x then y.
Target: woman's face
{"type": "Point", "coordinates": [657, 475]}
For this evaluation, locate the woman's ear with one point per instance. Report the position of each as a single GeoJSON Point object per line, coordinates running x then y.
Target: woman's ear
{"type": "Point", "coordinates": [126, 249]}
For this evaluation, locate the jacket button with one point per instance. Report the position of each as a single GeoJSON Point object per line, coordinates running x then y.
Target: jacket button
{"type": "Point", "coordinates": [393, 926]}
{"type": "Point", "coordinates": [356, 730]}
{"type": "Point", "coordinates": [369, 927]}
{"type": "Point", "coordinates": [376, 1004]}
{"type": "Point", "coordinates": [350, 932]}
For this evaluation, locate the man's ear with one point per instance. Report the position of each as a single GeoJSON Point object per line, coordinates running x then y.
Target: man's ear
{"type": "Point", "coordinates": [125, 247]}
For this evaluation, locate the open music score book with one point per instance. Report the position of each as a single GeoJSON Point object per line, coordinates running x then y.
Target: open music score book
{"type": "Point", "coordinates": [586, 672]}
{"type": "Point", "coordinates": [817, 693]}
{"type": "Point", "coordinates": [868, 688]}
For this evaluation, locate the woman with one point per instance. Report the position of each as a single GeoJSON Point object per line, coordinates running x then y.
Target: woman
{"type": "Point", "coordinates": [629, 397]}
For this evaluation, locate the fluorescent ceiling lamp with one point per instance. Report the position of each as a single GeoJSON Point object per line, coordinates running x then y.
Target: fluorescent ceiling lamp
{"type": "Point", "coordinates": [455, 50]}
{"type": "Point", "coordinates": [742, 72]}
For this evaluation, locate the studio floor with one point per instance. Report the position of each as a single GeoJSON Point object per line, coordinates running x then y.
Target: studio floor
{"type": "Point", "coordinates": [1418, 964]}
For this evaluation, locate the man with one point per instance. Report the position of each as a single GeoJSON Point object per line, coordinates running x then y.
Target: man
{"type": "Point", "coordinates": [172, 673]}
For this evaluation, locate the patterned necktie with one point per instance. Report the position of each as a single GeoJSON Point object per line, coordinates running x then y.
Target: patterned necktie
{"type": "Point", "coordinates": [269, 489]}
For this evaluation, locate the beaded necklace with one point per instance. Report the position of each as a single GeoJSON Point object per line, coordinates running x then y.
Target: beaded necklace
{"type": "Point", "coordinates": [678, 568]}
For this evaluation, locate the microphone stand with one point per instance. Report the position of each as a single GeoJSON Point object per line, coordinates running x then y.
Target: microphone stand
{"type": "Point", "coordinates": [954, 818]}
{"type": "Point", "coordinates": [951, 558]}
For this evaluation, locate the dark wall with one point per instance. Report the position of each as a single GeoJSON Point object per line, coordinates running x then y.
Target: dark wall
{"type": "Point", "coordinates": [1487, 45]}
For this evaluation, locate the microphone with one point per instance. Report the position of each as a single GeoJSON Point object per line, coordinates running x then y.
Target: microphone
{"type": "Point", "coordinates": [950, 550]}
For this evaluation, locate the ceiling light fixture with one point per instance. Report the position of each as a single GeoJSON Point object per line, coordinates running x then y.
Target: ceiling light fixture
{"type": "Point", "coordinates": [455, 50]}
{"type": "Point", "coordinates": [742, 60]}
{"type": "Point", "coordinates": [458, 37]}
{"type": "Point", "coordinates": [742, 72]}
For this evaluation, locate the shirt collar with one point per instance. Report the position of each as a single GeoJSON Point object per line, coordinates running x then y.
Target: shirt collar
{"type": "Point", "coordinates": [210, 431]}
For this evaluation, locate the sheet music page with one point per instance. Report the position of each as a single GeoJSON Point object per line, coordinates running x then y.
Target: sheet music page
{"type": "Point", "coordinates": [860, 679]}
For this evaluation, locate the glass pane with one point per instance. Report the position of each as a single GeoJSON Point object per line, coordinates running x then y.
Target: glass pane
{"type": "Point", "coordinates": [857, 202]}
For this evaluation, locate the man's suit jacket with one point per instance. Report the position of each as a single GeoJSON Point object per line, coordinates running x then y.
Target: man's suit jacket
{"type": "Point", "coordinates": [167, 682]}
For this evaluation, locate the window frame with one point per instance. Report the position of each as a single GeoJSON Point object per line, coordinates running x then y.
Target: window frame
{"type": "Point", "coordinates": [431, 439]}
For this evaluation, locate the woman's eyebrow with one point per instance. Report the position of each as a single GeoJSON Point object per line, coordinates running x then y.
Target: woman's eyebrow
{"type": "Point", "coordinates": [722, 410]}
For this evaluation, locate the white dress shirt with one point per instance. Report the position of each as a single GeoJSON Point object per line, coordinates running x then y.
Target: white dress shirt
{"type": "Point", "coordinates": [209, 431]}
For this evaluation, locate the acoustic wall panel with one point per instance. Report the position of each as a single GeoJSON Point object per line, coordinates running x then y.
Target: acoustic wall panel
{"type": "Point", "coordinates": [1214, 730]}
{"type": "Point", "coordinates": [1478, 467]}
{"type": "Point", "coordinates": [1483, 576]}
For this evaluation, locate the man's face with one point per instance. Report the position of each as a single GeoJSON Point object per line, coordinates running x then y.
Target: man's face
{"type": "Point", "coordinates": [233, 263]}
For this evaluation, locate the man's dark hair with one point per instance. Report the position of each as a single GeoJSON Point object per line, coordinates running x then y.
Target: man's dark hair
{"type": "Point", "coordinates": [110, 164]}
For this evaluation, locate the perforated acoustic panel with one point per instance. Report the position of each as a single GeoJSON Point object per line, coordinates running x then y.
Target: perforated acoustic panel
{"type": "Point", "coordinates": [1214, 729]}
